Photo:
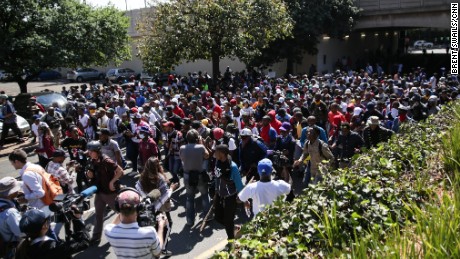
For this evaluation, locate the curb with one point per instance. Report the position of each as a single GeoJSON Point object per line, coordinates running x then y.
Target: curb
{"type": "Point", "coordinates": [27, 149]}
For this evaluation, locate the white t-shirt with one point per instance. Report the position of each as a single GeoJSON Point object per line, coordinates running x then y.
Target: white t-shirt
{"type": "Point", "coordinates": [263, 193]}
{"type": "Point", "coordinates": [84, 120]}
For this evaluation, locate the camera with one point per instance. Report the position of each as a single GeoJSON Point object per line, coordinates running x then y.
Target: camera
{"type": "Point", "coordinates": [147, 213]}
{"type": "Point", "coordinates": [279, 159]}
{"type": "Point", "coordinates": [63, 205]}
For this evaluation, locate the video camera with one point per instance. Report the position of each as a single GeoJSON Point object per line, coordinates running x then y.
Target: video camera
{"type": "Point", "coordinates": [62, 207]}
{"type": "Point", "coordinates": [147, 211]}
{"type": "Point", "coordinates": [278, 158]}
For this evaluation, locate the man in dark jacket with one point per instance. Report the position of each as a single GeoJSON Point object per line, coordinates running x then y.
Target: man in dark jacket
{"type": "Point", "coordinates": [347, 145]}
{"type": "Point", "coordinates": [35, 224]}
{"type": "Point", "coordinates": [251, 152]}
{"type": "Point", "coordinates": [374, 133]}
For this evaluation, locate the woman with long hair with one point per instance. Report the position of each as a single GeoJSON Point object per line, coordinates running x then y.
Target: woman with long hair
{"type": "Point", "coordinates": [45, 147]}
{"type": "Point", "coordinates": [154, 178]}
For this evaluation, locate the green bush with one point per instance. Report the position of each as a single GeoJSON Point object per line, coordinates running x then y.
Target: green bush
{"type": "Point", "coordinates": [372, 196]}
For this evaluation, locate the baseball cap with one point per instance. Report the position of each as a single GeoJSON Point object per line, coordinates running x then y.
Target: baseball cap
{"type": "Point", "coordinates": [36, 117]}
{"type": "Point", "coordinates": [134, 110]}
{"type": "Point", "coordinates": [169, 124]}
{"type": "Point", "coordinates": [110, 110]}
{"type": "Point", "coordinates": [357, 111]}
{"type": "Point", "coordinates": [104, 131]}
{"type": "Point", "coordinates": [246, 133]}
{"type": "Point", "coordinates": [128, 197]}
{"type": "Point", "coordinates": [32, 221]}
{"type": "Point", "coordinates": [218, 133]}
{"type": "Point", "coordinates": [9, 185]}
{"type": "Point", "coordinates": [265, 167]}
{"type": "Point", "coordinates": [59, 153]}
{"type": "Point", "coordinates": [286, 126]}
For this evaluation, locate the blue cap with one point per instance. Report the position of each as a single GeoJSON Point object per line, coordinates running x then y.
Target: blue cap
{"type": "Point", "coordinates": [32, 221]}
{"type": "Point", "coordinates": [265, 167]}
{"type": "Point", "coordinates": [36, 117]}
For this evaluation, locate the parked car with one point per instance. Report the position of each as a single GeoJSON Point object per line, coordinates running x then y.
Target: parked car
{"type": "Point", "coordinates": [4, 76]}
{"type": "Point", "coordinates": [119, 74]}
{"type": "Point", "coordinates": [146, 76]}
{"type": "Point", "coordinates": [48, 75]}
{"type": "Point", "coordinates": [22, 124]}
{"type": "Point", "coordinates": [82, 74]}
{"type": "Point", "coordinates": [423, 44]}
{"type": "Point", "coordinates": [46, 98]}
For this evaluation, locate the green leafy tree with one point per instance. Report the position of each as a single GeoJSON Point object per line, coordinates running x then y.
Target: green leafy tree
{"type": "Point", "coordinates": [45, 34]}
{"type": "Point", "coordinates": [186, 30]}
{"type": "Point", "coordinates": [312, 18]}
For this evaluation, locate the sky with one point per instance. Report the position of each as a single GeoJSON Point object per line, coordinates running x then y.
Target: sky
{"type": "Point", "coordinates": [120, 4]}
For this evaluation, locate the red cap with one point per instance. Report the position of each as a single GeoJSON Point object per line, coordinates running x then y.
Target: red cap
{"type": "Point", "coordinates": [134, 110]}
{"type": "Point", "coordinates": [233, 102]}
{"type": "Point", "coordinates": [218, 133]}
{"type": "Point", "coordinates": [169, 124]}
{"type": "Point", "coordinates": [208, 94]}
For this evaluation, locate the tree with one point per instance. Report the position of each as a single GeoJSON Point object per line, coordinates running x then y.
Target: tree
{"type": "Point", "coordinates": [312, 18]}
{"type": "Point", "coordinates": [45, 34]}
{"type": "Point", "coordinates": [188, 30]}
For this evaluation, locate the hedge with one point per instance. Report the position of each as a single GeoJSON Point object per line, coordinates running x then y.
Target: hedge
{"type": "Point", "coordinates": [369, 197]}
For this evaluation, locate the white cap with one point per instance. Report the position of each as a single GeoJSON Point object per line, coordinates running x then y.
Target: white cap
{"type": "Point", "coordinates": [433, 98]}
{"type": "Point", "coordinates": [357, 111]}
{"type": "Point", "coordinates": [348, 91]}
{"type": "Point", "coordinates": [246, 132]}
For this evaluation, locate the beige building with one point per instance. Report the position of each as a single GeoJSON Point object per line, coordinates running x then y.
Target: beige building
{"type": "Point", "coordinates": [378, 30]}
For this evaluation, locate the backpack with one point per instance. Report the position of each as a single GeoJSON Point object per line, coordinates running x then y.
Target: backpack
{"type": "Point", "coordinates": [320, 148]}
{"type": "Point", "coordinates": [50, 184]}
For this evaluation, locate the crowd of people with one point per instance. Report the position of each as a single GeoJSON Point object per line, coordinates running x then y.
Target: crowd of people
{"type": "Point", "coordinates": [246, 127]}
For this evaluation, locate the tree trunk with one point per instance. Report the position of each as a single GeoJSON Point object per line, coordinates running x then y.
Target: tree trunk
{"type": "Point", "coordinates": [289, 65]}
{"type": "Point", "coordinates": [215, 67]}
{"type": "Point", "coordinates": [22, 85]}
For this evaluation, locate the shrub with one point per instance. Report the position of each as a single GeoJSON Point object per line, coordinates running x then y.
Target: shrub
{"type": "Point", "coordinates": [372, 196]}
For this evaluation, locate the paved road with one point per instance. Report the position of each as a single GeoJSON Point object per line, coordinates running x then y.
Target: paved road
{"type": "Point", "coordinates": [185, 242]}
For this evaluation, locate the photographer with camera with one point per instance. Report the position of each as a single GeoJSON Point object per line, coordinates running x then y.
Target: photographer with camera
{"type": "Point", "coordinates": [9, 217]}
{"type": "Point", "coordinates": [104, 173]}
{"type": "Point", "coordinates": [127, 239]}
{"type": "Point", "coordinates": [35, 224]}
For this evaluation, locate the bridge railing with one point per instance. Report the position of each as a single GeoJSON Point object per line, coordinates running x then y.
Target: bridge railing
{"type": "Point", "coordinates": [377, 5]}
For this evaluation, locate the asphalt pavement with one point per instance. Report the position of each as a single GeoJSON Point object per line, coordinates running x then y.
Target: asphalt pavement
{"type": "Point", "coordinates": [185, 242]}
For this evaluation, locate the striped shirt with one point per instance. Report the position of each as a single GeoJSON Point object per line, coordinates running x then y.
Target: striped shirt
{"type": "Point", "coordinates": [58, 171]}
{"type": "Point", "coordinates": [132, 241]}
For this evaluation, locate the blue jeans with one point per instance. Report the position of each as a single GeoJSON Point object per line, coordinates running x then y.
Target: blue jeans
{"type": "Point", "coordinates": [190, 194]}
{"type": "Point", "coordinates": [174, 166]}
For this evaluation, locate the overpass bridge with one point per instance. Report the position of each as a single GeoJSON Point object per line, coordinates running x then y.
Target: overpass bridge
{"type": "Point", "coordinates": [403, 14]}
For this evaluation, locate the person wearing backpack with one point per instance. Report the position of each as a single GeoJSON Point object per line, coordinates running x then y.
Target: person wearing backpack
{"type": "Point", "coordinates": [39, 187]}
{"type": "Point", "coordinates": [317, 150]}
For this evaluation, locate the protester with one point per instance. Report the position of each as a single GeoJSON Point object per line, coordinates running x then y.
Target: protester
{"type": "Point", "coordinates": [193, 155]}
{"type": "Point", "coordinates": [9, 116]}
{"type": "Point", "coordinates": [265, 191]}
{"type": "Point", "coordinates": [228, 184]}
